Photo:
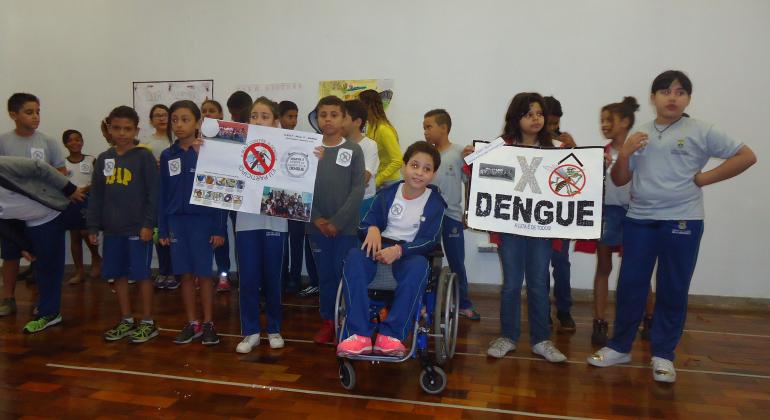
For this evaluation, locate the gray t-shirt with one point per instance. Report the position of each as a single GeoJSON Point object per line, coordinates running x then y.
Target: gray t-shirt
{"type": "Point", "coordinates": [662, 185]}
{"type": "Point", "coordinates": [38, 146]}
{"type": "Point", "coordinates": [449, 180]}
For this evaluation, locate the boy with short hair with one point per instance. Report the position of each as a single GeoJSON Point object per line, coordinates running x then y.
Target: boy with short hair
{"type": "Point", "coordinates": [339, 189]}
{"type": "Point", "coordinates": [355, 122]}
{"type": "Point", "coordinates": [450, 179]}
{"type": "Point", "coordinates": [32, 196]}
{"type": "Point", "coordinates": [24, 141]}
{"type": "Point", "coordinates": [124, 192]}
{"type": "Point", "coordinates": [287, 113]}
{"type": "Point", "coordinates": [239, 106]}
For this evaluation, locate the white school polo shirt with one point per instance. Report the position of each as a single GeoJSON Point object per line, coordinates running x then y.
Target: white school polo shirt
{"type": "Point", "coordinates": [405, 216]}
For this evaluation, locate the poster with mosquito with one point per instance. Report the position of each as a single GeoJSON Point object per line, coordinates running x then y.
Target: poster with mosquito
{"type": "Point", "coordinates": [543, 193]}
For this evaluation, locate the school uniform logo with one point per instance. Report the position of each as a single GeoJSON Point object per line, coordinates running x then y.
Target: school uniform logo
{"type": "Point", "coordinates": [344, 156]}
{"type": "Point", "coordinates": [397, 210]}
{"type": "Point", "coordinates": [679, 149]}
{"type": "Point", "coordinates": [109, 167]}
{"type": "Point", "coordinates": [85, 168]}
{"type": "Point", "coordinates": [174, 167]}
{"type": "Point", "coordinates": [37, 154]}
{"type": "Point", "coordinates": [682, 229]}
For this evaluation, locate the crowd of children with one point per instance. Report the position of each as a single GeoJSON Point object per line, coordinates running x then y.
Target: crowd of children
{"type": "Point", "coordinates": [371, 205]}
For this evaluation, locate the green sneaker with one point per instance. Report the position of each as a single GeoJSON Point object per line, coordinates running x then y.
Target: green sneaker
{"type": "Point", "coordinates": [144, 332]}
{"type": "Point", "coordinates": [42, 323]}
{"type": "Point", "coordinates": [8, 306]}
{"type": "Point", "coordinates": [123, 329]}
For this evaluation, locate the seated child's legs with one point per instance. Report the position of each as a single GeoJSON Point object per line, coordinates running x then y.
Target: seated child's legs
{"type": "Point", "coordinates": [411, 273]}
{"type": "Point", "coordinates": [358, 272]}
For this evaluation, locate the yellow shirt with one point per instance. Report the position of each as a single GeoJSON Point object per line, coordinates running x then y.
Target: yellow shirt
{"type": "Point", "coordinates": [389, 152]}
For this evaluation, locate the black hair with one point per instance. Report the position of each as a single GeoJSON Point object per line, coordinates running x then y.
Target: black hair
{"type": "Point", "coordinates": [518, 108]}
{"type": "Point", "coordinates": [423, 146]}
{"type": "Point", "coordinates": [332, 100]}
{"type": "Point", "coordinates": [624, 109]}
{"type": "Point", "coordinates": [17, 100]}
{"type": "Point", "coordinates": [241, 102]}
{"type": "Point", "coordinates": [357, 111]}
{"type": "Point", "coordinates": [67, 133]}
{"type": "Point", "coordinates": [286, 106]}
{"type": "Point", "coordinates": [185, 104]}
{"type": "Point", "coordinates": [441, 116]}
{"type": "Point", "coordinates": [552, 107]}
{"type": "Point", "coordinates": [124, 111]}
{"type": "Point", "coordinates": [216, 104]}
{"type": "Point", "coordinates": [665, 79]}
{"type": "Point", "coordinates": [156, 106]}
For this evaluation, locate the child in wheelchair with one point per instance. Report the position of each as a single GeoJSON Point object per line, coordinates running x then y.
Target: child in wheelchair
{"type": "Point", "coordinates": [402, 227]}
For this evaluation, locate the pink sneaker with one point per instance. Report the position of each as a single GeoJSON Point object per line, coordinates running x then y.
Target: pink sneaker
{"type": "Point", "coordinates": [389, 346]}
{"type": "Point", "coordinates": [354, 345]}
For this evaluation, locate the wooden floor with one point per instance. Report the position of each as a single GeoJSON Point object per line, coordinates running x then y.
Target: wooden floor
{"type": "Point", "coordinates": [69, 371]}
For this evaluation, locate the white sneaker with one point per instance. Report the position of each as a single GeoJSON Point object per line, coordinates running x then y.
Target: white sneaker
{"type": "Point", "coordinates": [663, 370]}
{"type": "Point", "coordinates": [608, 357]}
{"type": "Point", "coordinates": [549, 351]}
{"type": "Point", "coordinates": [276, 341]}
{"type": "Point", "coordinates": [500, 346]}
{"type": "Point", "coordinates": [248, 343]}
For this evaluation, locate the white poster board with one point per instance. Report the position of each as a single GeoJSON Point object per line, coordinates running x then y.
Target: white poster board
{"type": "Point", "coordinates": [255, 169]}
{"type": "Point", "coordinates": [148, 94]}
{"type": "Point", "coordinates": [543, 193]}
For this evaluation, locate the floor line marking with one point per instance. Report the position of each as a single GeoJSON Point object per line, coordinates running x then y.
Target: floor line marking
{"type": "Point", "coordinates": [312, 392]}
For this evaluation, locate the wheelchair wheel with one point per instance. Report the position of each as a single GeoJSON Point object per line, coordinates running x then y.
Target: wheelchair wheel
{"type": "Point", "coordinates": [433, 381]}
{"type": "Point", "coordinates": [347, 375]}
{"type": "Point", "coordinates": [446, 316]}
{"type": "Point", "coordinates": [339, 314]}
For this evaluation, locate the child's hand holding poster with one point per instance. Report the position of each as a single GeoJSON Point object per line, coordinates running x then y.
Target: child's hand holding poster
{"type": "Point", "coordinates": [256, 169]}
{"type": "Point", "coordinates": [544, 193]}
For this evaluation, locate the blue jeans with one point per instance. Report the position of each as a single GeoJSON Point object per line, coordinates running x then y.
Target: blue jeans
{"type": "Point", "coordinates": [675, 246]}
{"type": "Point", "coordinates": [453, 241]}
{"type": "Point", "coordinates": [562, 293]}
{"type": "Point", "coordinates": [522, 257]}
{"type": "Point", "coordinates": [329, 254]}
{"type": "Point", "coordinates": [260, 259]}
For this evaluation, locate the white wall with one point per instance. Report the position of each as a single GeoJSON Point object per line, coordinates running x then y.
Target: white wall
{"type": "Point", "coordinates": [470, 57]}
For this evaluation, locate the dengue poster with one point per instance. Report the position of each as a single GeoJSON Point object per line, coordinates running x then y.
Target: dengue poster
{"type": "Point", "coordinates": [255, 169]}
{"type": "Point", "coordinates": [543, 193]}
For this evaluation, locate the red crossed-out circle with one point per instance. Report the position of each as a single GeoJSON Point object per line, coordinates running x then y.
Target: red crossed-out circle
{"type": "Point", "coordinates": [566, 186]}
{"type": "Point", "coordinates": [264, 158]}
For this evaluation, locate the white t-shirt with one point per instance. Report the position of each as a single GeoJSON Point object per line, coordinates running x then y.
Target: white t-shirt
{"type": "Point", "coordinates": [371, 163]}
{"type": "Point", "coordinates": [614, 195]}
{"type": "Point", "coordinates": [250, 221]}
{"type": "Point", "coordinates": [156, 144]}
{"type": "Point", "coordinates": [21, 207]}
{"type": "Point", "coordinates": [405, 216]}
{"type": "Point", "coordinates": [80, 173]}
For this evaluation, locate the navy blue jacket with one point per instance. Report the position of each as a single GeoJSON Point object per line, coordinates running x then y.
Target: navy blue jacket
{"type": "Point", "coordinates": [175, 192]}
{"type": "Point", "coordinates": [429, 233]}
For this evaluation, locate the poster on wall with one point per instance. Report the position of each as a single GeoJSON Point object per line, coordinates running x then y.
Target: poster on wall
{"type": "Point", "coordinates": [256, 169]}
{"type": "Point", "coordinates": [349, 89]}
{"type": "Point", "coordinates": [543, 193]}
{"type": "Point", "coordinates": [148, 94]}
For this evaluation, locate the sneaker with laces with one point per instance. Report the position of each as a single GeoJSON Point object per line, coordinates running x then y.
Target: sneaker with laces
{"type": "Point", "coordinates": [389, 346]}
{"type": "Point", "coordinates": [566, 323]}
{"type": "Point", "coordinates": [172, 283]}
{"type": "Point", "coordinates": [276, 341]}
{"type": "Point", "coordinates": [160, 281]}
{"type": "Point", "coordinates": [663, 370]}
{"type": "Point", "coordinates": [608, 357]}
{"type": "Point", "coordinates": [549, 351]}
{"type": "Point", "coordinates": [500, 346]}
{"type": "Point", "coordinates": [144, 332]}
{"type": "Point", "coordinates": [247, 344]}
{"type": "Point", "coordinates": [470, 314]}
{"type": "Point", "coordinates": [325, 334]}
{"type": "Point", "coordinates": [599, 335]}
{"type": "Point", "coordinates": [190, 332]}
{"type": "Point", "coordinates": [122, 329]}
{"type": "Point", "coordinates": [309, 291]}
{"type": "Point", "coordinates": [354, 345]}
{"type": "Point", "coordinates": [210, 336]}
{"type": "Point", "coordinates": [8, 306]}
{"type": "Point", "coordinates": [223, 285]}
{"type": "Point", "coordinates": [42, 323]}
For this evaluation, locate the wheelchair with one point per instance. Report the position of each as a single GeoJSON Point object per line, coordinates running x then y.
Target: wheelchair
{"type": "Point", "coordinates": [436, 318]}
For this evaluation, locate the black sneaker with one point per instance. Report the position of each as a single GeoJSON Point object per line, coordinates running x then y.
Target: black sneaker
{"type": "Point", "coordinates": [646, 326]}
{"type": "Point", "coordinates": [599, 336]}
{"type": "Point", "coordinates": [210, 336]}
{"type": "Point", "coordinates": [566, 323]}
{"type": "Point", "coordinates": [190, 332]}
{"type": "Point", "coordinates": [308, 291]}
